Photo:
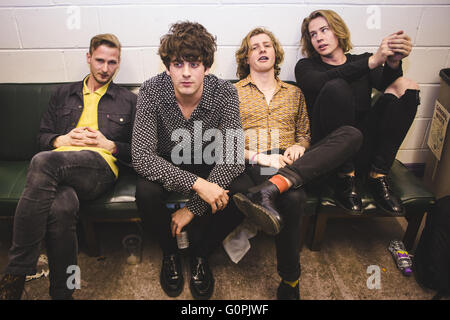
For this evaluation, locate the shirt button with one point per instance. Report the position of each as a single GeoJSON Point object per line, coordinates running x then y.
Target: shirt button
{"type": "Point", "coordinates": [79, 107]}
{"type": "Point", "coordinates": [121, 119]}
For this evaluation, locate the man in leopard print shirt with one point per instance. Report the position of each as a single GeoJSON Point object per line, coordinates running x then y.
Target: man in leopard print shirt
{"type": "Point", "coordinates": [188, 139]}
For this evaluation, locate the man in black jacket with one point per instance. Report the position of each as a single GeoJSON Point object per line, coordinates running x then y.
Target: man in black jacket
{"type": "Point", "coordinates": [85, 130]}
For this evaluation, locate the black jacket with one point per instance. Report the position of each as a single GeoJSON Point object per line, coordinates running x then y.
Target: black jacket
{"type": "Point", "coordinates": [116, 111]}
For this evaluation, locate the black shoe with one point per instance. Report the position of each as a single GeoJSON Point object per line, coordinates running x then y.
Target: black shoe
{"type": "Point", "coordinates": [202, 280]}
{"type": "Point", "coordinates": [287, 292]}
{"type": "Point", "coordinates": [11, 287]}
{"type": "Point", "coordinates": [259, 206]}
{"type": "Point", "coordinates": [171, 277]}
{"type": "Point", "coordinates": [384, 197]}
{"type": "Point", "coordinates": [347, 195]}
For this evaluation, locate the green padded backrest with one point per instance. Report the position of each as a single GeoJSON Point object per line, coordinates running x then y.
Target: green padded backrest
{"type": "Point", "coordinates": [22, 105]}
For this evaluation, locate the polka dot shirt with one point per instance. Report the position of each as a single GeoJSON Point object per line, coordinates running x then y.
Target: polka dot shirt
{"type": "Point", "coordinates": [161, 131]}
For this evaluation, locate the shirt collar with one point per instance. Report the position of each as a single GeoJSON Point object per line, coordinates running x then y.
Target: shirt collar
{"type": "Point", "coordinates": [249, 80]}
{"type": "Point", "coordinates": [100, 91]}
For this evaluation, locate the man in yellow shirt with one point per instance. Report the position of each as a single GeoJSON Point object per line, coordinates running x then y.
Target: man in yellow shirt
{"type": "Point", "coordinates": [276, 126]}
{"type": "Point", "coordinates": [84, 132]}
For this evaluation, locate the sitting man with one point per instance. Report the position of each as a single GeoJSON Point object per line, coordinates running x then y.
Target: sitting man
{"type": "Point", "coordinates": [178, 112]}
{"type": "Point", "coordinates": [270, 106]}
{"type": "Point", "coordinates": [85, 130]}
{"type": "Point", "coordinates": [338, 87]}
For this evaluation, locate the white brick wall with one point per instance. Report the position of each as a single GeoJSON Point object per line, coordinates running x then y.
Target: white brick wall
{"type": "Point", "coordinates": [43, 41]}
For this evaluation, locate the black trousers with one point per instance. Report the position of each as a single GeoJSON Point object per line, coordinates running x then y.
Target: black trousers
{"type": "Point", "coordinates": [384, 126]}
{"type": "Point", "coordinates": [205, 232]}
{"type": "Point", "coordinates": [320, 159]}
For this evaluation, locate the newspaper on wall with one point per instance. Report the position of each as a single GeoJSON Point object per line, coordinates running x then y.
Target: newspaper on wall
{"type": "Point", "coordinates": [438, 129]}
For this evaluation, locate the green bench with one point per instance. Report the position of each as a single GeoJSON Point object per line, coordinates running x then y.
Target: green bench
{"type": "Point", "coordinates": [22, 106]}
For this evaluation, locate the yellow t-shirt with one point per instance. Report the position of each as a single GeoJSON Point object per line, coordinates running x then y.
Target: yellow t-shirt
{"type": "Point", "coordinates": [89, 118]}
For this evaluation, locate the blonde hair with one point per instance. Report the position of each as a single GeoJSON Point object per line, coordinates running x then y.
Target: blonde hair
{"type": "Point", "coordinates": [243, 69]}
{"type": "Point", "coordinates": [107, 39]}
{"type": "Point", "coordinates": [336, 24]}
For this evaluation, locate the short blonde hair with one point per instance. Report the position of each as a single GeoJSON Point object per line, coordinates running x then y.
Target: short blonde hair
{"type": "Point", "coordinates": [336, 24]}
{"type": "Point", "coordinates": [243, 69]}
{"type": "Point", "coordinates": [107, 39]}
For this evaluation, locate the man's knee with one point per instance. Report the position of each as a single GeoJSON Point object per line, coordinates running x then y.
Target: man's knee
{"type": "Point", "coordinates": [241, 184]}
{"type": "Point", "coordinates": [336, 88]}
{"type": "Point", "coordinates": [353, 137]}
{"type": "Point", "coordinates": [399, 86]}
{"type": "Point", "coordinates": [41, 160]}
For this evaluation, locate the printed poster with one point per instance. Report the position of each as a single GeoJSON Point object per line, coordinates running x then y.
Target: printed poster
{"type": "Point", "coordinates": [438, 129]}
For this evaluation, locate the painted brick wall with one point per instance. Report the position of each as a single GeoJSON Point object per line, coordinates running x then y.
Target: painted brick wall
{"type": "Point", "coordinates": [46, 40]}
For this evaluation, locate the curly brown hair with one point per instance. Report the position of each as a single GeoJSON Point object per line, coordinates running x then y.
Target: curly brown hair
{"type": "Point", "coordinates": [188, 41]}
{"type": "Point", "coordinates": [336, 24]}
{"type": "Point", "coordinates": [243, 69]}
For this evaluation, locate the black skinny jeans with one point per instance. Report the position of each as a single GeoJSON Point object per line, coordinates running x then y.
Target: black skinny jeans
{"type": "Point", "coordinates": [320, 159]}
{"type": "Point", "coordinates": [384, 126]}
{"type": "Point", "coordinates": [48, 210]}
{"type": "Point", "coordinates": [205, 232]}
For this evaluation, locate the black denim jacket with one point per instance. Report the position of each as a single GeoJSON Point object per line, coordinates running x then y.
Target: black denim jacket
{"type": "Point", "coordinates": [116, 112]}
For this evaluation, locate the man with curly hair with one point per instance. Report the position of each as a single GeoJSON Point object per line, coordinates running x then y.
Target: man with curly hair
{"type": "Point", "coordinates": [178, 113]}
{"type": "Point", "coordinates": [280, 160]}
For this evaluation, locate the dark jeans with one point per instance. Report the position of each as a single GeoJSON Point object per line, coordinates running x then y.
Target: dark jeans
{"type": "Point", "coordinates": [324, 156]}
{"type": "Point", "coordinates": [205, 232]}
{"type": "Point", "coordinates": [48, 209]}
{"type": "Point", "coordinates": [320, 159]}
{"type": "Point", "coordinates": [384, 126]}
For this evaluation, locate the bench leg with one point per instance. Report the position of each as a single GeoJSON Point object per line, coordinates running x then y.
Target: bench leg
{"type": "Point", "coordinates": [320, 225]}
{"type": "Point", "coordinates": [414, 222]}
{"type": "Point", "coordinates": [90, 238]}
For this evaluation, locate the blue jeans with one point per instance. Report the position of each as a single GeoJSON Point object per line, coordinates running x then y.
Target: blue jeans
{"type": "Point", "coordinates": [48, 209]}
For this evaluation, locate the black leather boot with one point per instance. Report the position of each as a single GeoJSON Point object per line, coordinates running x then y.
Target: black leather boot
{"type": "Point", "coordinates": [384, 197]}
{"type": "Point", "coordinates": [259, 206]}
{"type": "Point", "coordinates": [171, 277]}
{"type": "Point", "coordinates": [202, 280]}
{"type": "Point", "coordinates": [347, 196]}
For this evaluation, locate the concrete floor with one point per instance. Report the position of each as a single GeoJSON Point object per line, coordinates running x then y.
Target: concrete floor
{"type": "Point", "coordinates": [337, 272]}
